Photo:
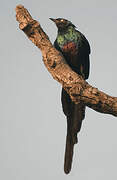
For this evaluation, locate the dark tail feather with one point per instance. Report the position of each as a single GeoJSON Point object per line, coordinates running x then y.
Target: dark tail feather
{"type": "Point", "coordinates": [69, 147]}
{"type": "Point", "coordinates": [74, 124]}
{"type": "Point", "coordinates": [75, 114]}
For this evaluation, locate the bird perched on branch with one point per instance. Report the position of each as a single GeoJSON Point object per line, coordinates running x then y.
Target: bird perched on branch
{"type": "Point", "coordinates": [76, 49]}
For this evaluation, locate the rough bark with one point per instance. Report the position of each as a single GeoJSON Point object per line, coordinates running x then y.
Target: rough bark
{"type": "Point", "coordinates": [76, 87]}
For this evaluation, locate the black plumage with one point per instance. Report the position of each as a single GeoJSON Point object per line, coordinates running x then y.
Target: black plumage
{"type": "Point", "coordinates": [76, 49]}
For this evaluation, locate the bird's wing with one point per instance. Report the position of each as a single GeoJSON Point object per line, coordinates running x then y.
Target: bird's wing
{"type": "Point", "coordinates": [85, 44]}
{"type": "Point", "coordinates": [85, 66]}
{"type": "Point", "coordinates": [85, 50]}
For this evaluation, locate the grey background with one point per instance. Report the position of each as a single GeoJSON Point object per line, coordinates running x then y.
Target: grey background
{"type": "Point", "coordinates": [32, 125]}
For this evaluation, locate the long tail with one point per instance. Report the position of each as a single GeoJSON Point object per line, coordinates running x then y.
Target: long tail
{"type": "Point", "coordinates": [69, 147]}
{"type": "Point", "coordinates": [75, 114]}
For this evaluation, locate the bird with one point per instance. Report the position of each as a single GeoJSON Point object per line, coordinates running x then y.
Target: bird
{"type": "Point", "coordinates": [75, 49]}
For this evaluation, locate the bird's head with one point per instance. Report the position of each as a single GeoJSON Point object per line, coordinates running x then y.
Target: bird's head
{"type": "Point", "coordinates": [62, 24]}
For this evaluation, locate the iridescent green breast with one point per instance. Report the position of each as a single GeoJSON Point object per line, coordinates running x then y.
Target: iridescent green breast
{"type": "Point", "coordinates": [71, 35]}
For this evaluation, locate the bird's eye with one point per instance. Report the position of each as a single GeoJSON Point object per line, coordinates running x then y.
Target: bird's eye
{"type": "Point", "coordinates": [62, 20]}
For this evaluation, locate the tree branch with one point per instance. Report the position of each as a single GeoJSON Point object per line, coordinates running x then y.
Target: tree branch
{"type": "Point", "coordinates": [76, 87]}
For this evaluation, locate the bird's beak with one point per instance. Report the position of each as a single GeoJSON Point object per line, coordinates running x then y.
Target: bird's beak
{"type": "Point", "coordinates": [54, 20]}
